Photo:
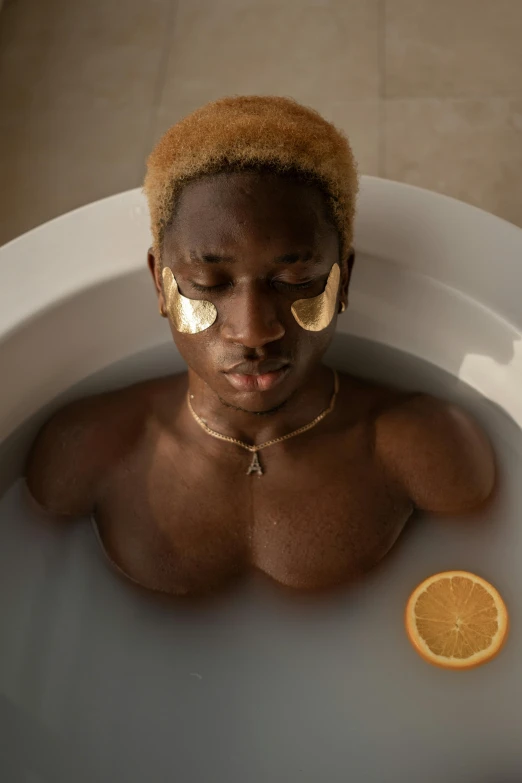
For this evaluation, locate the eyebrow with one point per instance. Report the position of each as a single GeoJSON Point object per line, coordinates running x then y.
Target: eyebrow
{"type": "Point", "coordinates": [293, 258]}
{"type": "Point", "coordinates": [209, 258]}
{"type": "Point", "coordinates": [287, 258]}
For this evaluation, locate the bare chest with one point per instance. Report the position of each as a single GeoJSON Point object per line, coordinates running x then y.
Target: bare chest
{"type": "Point", "coordinates": [189, 524]}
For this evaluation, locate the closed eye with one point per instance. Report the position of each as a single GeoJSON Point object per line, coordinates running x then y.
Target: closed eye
{"type": "Point", "coordinates": [294, 286]}
{"type": "Point", "coordinates": [206, 288]}
{"type": "Point", "coordinates": [279, 283]}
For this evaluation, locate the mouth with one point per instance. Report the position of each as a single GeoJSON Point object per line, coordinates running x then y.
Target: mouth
{"type": "Point", "coordinates": [256, 379]}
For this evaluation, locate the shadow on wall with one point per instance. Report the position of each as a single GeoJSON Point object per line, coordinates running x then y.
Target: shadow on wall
{"type": "Point", "coordinates": [385, 290]}
{"type": "Point", "coordinates": [28, 751]}
{"type": "Point", "coordinates": [27, 354]}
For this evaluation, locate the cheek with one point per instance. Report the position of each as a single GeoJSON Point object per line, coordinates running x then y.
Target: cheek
{"type": "Point", "coordinates": [188, 345]}
{"type": "Point", "coordinates": [310, 345]}
{"type": "Point", "coordinates": [198, 350]}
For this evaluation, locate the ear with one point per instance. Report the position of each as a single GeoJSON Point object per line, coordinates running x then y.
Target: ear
{"type": "Point", "coordinates": [346, 276]}
{"type": "Point", "coordinates": [155, 270]}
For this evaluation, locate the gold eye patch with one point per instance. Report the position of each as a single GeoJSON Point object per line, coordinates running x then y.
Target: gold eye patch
{"type": "Point", "coordinates": [189, 316]}
{"type": "Point", "coordinates": [316, 314]}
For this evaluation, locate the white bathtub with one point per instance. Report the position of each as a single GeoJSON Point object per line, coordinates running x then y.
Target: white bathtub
{"type": "Point", "coordinates": [100, 682]}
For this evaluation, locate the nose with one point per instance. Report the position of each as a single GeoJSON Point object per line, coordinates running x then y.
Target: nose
{"type": "Point", "coordinates": [252, 319]}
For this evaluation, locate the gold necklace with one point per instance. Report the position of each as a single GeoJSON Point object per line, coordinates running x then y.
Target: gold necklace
{"type": "Point", "coordinates": [255, 465]}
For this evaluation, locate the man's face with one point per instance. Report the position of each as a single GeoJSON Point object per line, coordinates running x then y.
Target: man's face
{"type": "Point", "coordinates": [252, 244]}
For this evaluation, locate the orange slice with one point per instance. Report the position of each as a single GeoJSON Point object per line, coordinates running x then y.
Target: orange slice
{"type": "Point", "coordinates": [456, 620]}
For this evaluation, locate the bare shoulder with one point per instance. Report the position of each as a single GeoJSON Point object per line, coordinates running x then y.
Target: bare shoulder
{"type": "Point", "coordinates": [80, 443]}
{"type": "Point", "coordinates": [437, 452]}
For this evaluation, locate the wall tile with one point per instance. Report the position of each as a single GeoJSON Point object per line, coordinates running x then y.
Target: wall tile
{"type": "Point", "coordinates": [469, 149]}
{"type": "Point", "coordinates": [453, 48]}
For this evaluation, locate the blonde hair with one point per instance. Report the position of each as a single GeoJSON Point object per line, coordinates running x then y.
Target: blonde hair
{"type": "Point", "coordinates": [253, 132]}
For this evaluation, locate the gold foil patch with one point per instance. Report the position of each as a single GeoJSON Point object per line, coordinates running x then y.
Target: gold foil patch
{"type": "Point", "coordinates": [189, 316]}
{"type": "Point", "coordinates": [316, 314]}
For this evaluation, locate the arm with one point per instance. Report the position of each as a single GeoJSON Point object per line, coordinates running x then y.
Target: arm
{"type": "Point", "coordinates": [74, 451]}
{"type": "Point", "coordinates": [437, 453]}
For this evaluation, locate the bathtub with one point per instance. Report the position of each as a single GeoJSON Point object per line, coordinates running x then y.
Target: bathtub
{"type": "Point", "coordinates": [102, 682]}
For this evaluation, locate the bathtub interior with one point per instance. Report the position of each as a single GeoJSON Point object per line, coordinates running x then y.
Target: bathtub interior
{"type": "Point", "coordinates": [101, 681]}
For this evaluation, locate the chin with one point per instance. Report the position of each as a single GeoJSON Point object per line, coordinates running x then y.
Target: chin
{"type": "Point", "coordinates": [259, 403]}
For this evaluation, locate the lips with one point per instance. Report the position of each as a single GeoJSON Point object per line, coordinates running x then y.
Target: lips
{"type": "Point", "coordinates": [257, 368]}
{"type": "Point", "coordinates": [257, 377]}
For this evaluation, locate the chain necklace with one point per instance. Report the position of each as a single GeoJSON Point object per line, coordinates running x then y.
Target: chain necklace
{"type": "Point", "coordinates": [255, 465]}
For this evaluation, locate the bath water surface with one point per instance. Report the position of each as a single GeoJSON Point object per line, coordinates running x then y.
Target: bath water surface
{"type": "Point", "coordinates": [102, 682]}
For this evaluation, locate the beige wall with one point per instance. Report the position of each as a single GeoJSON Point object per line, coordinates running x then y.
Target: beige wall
{"type": "Point", "coordinates": [429, 92]}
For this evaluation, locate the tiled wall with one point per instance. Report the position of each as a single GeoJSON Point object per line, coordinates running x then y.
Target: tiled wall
{"type": "Point", "coordinates": [429, 91]}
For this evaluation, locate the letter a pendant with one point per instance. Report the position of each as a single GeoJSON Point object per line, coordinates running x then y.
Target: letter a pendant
{"type": "Point", "coordinates": [255, 466]}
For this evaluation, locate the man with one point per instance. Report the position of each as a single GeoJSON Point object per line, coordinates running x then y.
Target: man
{"type": "Point", "coordinates": [260, 456]}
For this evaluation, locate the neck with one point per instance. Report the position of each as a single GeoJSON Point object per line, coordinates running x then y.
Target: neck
{"type": "Point", "coordinates": [254, 427]}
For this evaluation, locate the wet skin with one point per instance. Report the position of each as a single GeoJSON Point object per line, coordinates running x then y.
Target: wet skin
{"type": "Point", "coordinates": [175, 509]}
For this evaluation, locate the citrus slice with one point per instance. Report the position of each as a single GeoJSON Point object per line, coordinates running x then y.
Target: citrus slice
{"type": "Point", "coordinates": [456, 620]}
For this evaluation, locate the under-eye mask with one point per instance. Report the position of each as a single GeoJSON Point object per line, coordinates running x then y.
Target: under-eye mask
{"type": "Point", "coordinates": [189, 316]}
{"type": "Point", "coordinates": [317, 313]}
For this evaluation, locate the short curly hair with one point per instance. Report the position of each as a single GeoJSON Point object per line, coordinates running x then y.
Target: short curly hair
{"type": "Point", "coordinates": [261, 133]}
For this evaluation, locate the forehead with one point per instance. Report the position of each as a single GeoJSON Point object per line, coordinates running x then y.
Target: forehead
{"type": "Point", "coordinates": [225, 210]}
